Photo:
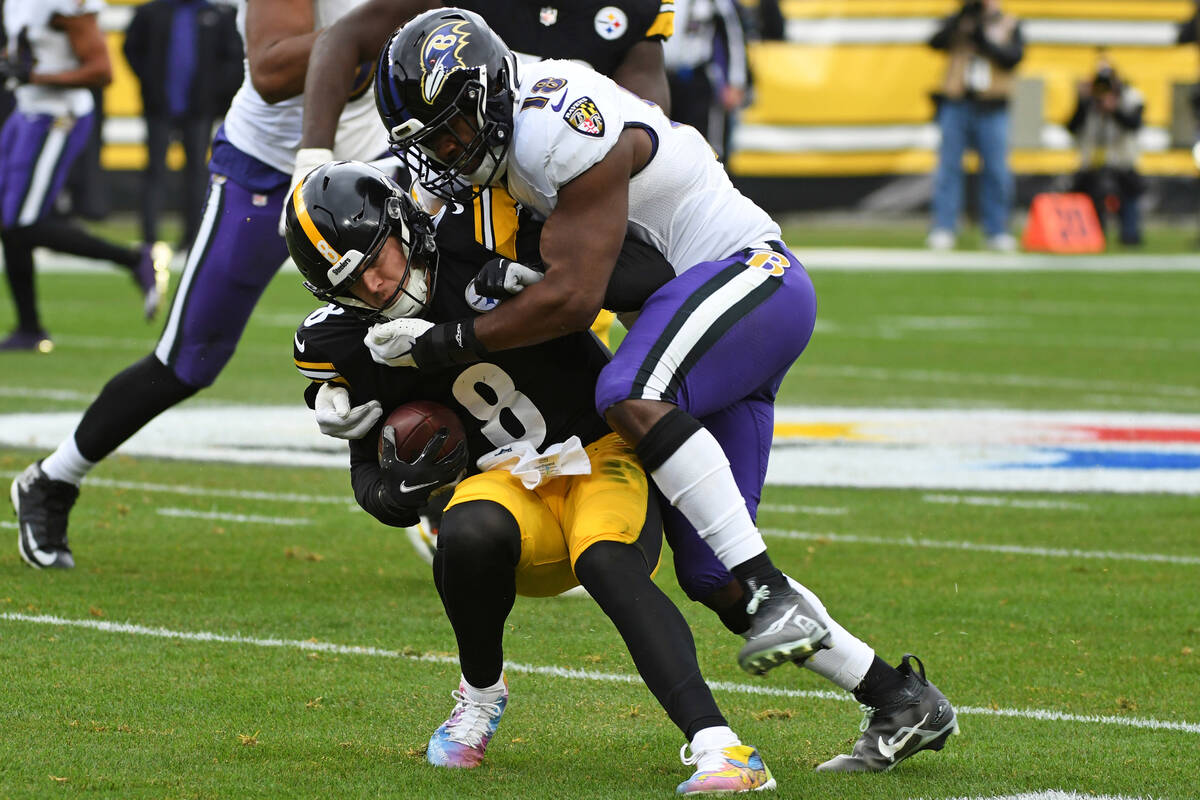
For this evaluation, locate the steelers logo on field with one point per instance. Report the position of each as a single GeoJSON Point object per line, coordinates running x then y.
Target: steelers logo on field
{"type": "Point", "coordinates": [585, 117]}
{"type": "Point", "coordinates": [611, 23]}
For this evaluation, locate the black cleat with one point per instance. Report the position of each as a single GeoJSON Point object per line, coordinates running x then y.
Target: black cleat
{"type": "Point", "coordinates": [35, 341]}
{"type": "Point", "coordinates": [783, 628]}
{"type": "Point", "coordinates": [919, 718]}
{"type": "Point", "coordinates": [42, 507]}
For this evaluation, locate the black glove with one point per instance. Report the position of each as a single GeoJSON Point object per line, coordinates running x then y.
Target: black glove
{"type": "Point", "coordinates": [14, 73]}
{"type": "Point", "coordinates": [16, 68]}
{"type": "Point", "coordinates": [407, 485]}
{"type": "Point", "coordinates": [979, 38]}
{"type": "Point", "coordinates": [501, 278]}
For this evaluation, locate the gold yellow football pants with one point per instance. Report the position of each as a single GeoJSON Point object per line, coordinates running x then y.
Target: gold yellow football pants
{"type": "Point", "coordinates": [565, 515]}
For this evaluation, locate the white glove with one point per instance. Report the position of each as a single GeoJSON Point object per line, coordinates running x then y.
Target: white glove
{"type": "Point", "coordinates": [307, 159]}
{"type": "Point", "coordinates": [336, 418]}
{"type": "Point", "coordinates": [429, 202]}
{"type": "Point", "coordinates": [390, 343]}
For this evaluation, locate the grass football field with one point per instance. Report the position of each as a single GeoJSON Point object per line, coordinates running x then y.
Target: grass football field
{"type": "Point", "coordinates": [241, 630]}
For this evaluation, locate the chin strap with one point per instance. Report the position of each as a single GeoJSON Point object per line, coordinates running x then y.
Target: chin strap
{"type": "Point", "coordinates": [448, 344]}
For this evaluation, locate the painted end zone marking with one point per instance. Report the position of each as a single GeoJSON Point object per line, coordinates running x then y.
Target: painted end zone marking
{"type": "Point", "coordinates": [576, 674]}
{"type": "Point", "coordinates": [931, 449]}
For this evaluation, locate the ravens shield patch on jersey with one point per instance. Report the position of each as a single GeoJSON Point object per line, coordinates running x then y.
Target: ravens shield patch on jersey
{"type": "Point", "coordinates": [585, 117]}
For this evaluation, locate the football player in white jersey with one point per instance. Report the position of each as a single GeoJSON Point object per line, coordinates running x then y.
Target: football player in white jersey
{"type": "Point", "coordinates": [236, 253]}
{"type": "Point", "coordinates": [694, 382]}
{"type": "Point", "coordinates": [55, 56]}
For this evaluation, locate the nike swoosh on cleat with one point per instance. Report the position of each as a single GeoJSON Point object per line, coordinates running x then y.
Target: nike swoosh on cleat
{"type": "Point", "coordinates": [778, 624]}
{"type": "Point", "coordinates": [889, 750]}
{"type": "Point", "coordinates": [299, 344]}
{"type": "Point", "coordinates": [405, 488]}
{"type": "Point", "coordinates": [41, 556]}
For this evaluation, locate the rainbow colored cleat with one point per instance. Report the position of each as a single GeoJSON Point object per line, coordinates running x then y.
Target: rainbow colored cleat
{"type": "Point", "coordinates": [462, 740]}
{"type": "Point", "coordinates": [726, 771]}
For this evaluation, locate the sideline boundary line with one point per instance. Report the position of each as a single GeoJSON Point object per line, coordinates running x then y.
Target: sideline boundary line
{"type": "Point", "coordinates": [1042, 715]}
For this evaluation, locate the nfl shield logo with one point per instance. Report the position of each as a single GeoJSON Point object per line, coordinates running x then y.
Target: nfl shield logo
{"type": "Point", "coordinates": [548, 16]}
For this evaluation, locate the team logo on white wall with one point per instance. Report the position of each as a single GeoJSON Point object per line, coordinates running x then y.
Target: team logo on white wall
{"type": "Point", "coordinates": [611, 22]}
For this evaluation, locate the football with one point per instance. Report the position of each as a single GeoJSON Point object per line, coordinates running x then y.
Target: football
{"type": "Point", "coordinates": [417, 422]}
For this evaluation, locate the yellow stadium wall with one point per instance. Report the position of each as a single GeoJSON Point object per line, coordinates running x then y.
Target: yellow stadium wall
{"type": "Point", "coordinates": [859, 85]}
{"type": "Point", "coordinates": [799, 85]}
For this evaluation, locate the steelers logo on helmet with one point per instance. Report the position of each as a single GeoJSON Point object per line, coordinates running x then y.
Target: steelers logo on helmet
{"type": "Point", "coordinates": [339, 219]}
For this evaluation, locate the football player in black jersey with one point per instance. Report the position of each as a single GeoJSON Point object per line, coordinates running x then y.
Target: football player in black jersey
{"type": "Point", "coordinates": [583, 513]}
{"type": "Point", "coordinates": [623, 40]}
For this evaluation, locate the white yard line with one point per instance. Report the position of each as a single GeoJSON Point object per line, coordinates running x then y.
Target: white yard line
{"type": "Point", "coordinates": [1003, 502]}
{"type": "Point", "coordinates": [204, 491]}
{"type": "Point", "coordinates": [1042, 715]}
{"type": "Point", "coordinates": [1012, 549]}
{"type": "Point", "coordinates": [824, 511]}
{"type": "Point", "coordinates": [839, 538]}
{"type": "Point", "coordinates": [975, 379]}
{"type": "Point", "coordinates": [45, 394]}
{"type": "Point", "coordinates": [228, 517]}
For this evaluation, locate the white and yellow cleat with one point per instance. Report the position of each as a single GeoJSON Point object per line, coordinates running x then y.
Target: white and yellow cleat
{"type": "Point", "coordinates": [153, 276]}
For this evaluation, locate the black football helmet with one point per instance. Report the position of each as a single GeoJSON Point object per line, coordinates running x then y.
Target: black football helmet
{"type": "Point", "coordinates": [442, 64]}
{"type": "Point", "coordinates": [337, 220]}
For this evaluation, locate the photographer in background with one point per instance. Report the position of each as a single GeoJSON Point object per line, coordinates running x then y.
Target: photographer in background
{"type": "Point", "coordinates": [707, 70]}
{"type": "Point", "coordinates": [983, 47]}
{"type": "Point", "coordinates": [1188, 32]}
{"type": "Point", "coordinates": [1107, 118]}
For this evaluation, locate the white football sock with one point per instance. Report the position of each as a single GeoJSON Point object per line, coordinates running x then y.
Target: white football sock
{"type": "Point", "coordinates": [488, 694]}
{"type": "Point", "coordinates": [697, 480]}
{"type": "Point", "coordinates": [847, 659]}
{"type": "Point", "coordinates": [714, 738]}
{"type": "Point", "coordinates": [67, 463]}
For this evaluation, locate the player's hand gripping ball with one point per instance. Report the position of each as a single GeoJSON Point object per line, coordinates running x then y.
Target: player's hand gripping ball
{"type": "Point", "coordinates": [423, 448]}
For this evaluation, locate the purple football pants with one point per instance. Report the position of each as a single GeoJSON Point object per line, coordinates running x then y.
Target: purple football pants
{"type": "Point", "coordinates": [716, 341]}
{"type": "Point", "coordinates": [36, 153]}
{"type": "Point", "coordinates": [236, 253]}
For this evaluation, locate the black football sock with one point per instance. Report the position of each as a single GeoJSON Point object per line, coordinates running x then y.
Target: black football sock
{"type": "Point", "coordinates": [655, 632]}
{"type": "Point", "coordinates": [881, 683]}
{"type": "Point", "coordinates": [129, 400]}
{"type": "Point", "coordinates": [759, 571]}
{"type": "Point", "coordinates": [730, 604]}
{"type": "Point", "coordinates": [478, 547]}
{"type": "Point", "coordinates": [18, 269]}
{"type": "Point", "coordinates": [67, 236]}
